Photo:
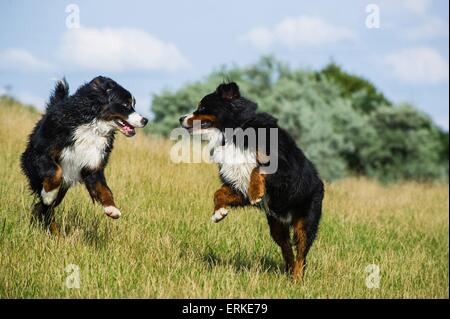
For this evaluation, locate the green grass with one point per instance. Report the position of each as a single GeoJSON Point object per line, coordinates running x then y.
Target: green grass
{"type": "Point", "coordinates": [165, 246]}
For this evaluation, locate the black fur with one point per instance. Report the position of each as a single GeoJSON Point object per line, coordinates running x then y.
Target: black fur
{"type": "Point", "coordinates": [60, 92]}
{"type": "Point", "coordinates": [295, 188]}
{"type": "Point", "coordinates": [102, 99]}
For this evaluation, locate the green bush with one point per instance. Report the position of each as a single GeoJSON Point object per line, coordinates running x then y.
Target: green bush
{"type": "Point", "coordinates": [407, 145]}
{"type": "Point", "coordinates": [365, 95]}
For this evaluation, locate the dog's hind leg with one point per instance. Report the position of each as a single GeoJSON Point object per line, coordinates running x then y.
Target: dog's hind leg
{"type": "Point", "coordinates": [305, 230]}
{"type": "Point", "coordinates": [223, 198]}
{"type": "Point", "coordinates": [51, 176]}
{"type": "Point", "coordinates": [280, 234]}
{"type": "Point", "coordinates": [44, 214]}
{"type": "Point", "coordinates": [300, 236]}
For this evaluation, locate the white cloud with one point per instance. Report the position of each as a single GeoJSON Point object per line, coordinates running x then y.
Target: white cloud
{"type": "Point", "coordinates": [418, 65]}
{"type": "Point", "coordinates": [432, 28]}
{"type": "Point", "coordinates": [21, 60]}
{"type": "Point", "coordinates": [121, 49]}
{"type": "Point", "coordinates": [299, 32]}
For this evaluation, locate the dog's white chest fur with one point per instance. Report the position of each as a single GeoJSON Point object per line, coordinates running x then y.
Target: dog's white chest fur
{"type": "Point", "coordinates": [236, 165]}
{"type": "Point", "coordinates": [88, 150]}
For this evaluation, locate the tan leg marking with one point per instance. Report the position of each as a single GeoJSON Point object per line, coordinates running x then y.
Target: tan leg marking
{"type": "Point", "coordinates": [51, 186]}
{"type": "Point", "coordinates": [257, 187]}
{"type": "Point", "coordinates": [104, 195]}
{"type": "Point", "coordinates": [223, 198]}
{"type": "Point", "coordinates": [52, 182]}
{"type": "Point", "coordinates": [300, 236]}
{"type": "Point", "coordinates": [280, 234]}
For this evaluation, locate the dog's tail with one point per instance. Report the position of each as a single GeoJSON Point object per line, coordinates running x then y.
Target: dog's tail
{"type": "Point", "coordinates": [60, 92]}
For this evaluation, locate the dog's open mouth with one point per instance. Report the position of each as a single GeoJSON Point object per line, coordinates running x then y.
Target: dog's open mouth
{"type": "Point", "coordinates": [126, 128]}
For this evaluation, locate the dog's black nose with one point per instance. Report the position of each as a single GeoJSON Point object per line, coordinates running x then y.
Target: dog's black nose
{"type": "Point", "coordinates": [182, 119]}
{"type": "Point", "coordinates": [144, 121]}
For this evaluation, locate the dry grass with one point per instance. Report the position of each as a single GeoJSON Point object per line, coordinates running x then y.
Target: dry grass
{"type": "Point", "coordinates": [165, 246]}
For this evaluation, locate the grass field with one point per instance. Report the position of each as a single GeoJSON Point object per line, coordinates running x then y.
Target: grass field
{"type": "Point", "coordinates": [165, 246]}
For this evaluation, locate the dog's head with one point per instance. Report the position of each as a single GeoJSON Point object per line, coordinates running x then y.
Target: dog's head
{"type": "Point", "coordinates": [224, 108]}
{"type": "Point", "coordinates": [116, 106]}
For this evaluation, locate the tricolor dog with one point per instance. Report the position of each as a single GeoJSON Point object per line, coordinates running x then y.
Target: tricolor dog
{"type": "Point", "coordinates": [72, 142]}
{"type": "Point", "coordinates": [291, 196]}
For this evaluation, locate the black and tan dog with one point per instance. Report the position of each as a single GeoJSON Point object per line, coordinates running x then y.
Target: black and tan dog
{"type": "Point", "coordinates": [72, 142]}
{"type": "Point", "coordinates": [291, 196]}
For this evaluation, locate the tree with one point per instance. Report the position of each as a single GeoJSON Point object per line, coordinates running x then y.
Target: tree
{"type": "Point", "coordinates": [407, 147]}
{"type": "Point", "coordinates": [365, 95]}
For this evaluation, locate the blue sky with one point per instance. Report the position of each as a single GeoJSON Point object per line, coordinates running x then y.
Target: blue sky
{"type": "Point", "coordinates": [148, 45]}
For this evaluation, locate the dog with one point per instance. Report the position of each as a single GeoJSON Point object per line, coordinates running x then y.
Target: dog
{"type": "Point", "coordinates": [291, 196]}
{"type": "Point", "coordinates": [72, 142]}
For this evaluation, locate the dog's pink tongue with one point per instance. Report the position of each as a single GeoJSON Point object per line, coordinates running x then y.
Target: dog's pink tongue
{"type": "Point", "coordinates": [127, 129]}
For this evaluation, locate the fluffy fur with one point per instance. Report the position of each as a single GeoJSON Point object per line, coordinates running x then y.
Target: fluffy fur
{"type": "Point", "coordinates": [72, 142]}
{"type": "Point", "coordinates": [291, 197]}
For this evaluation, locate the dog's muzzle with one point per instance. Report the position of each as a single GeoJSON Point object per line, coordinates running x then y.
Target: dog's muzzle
{"type": "Point", "coordinates": [137, 120]}
{"type": "Point", "coordinates": [133, 120]}
{"type": "Point", "coordinates": [182, 118]}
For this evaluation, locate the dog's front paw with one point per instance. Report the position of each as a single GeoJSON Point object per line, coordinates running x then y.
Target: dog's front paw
{"type": "Point", "coordinates": [49, 197]}
{"type": "Point", "coordinates": [112, 212]}
{"type": "Point", "coordinates": [255, 195]}
{"type": "Point", "coordinates": [255, 200]}
{"type": "Point", "coordinates": [219, 214]}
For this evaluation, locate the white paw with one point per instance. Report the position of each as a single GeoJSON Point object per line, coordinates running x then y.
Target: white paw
{"type": "Point", "coordinates": [219, 214]}
{"type": "Point", "coordinates": [256, 201]}
{"type": "Point", "coordinates": [112, 212]}
{"type": "Point", "coordinates": [49, 197]}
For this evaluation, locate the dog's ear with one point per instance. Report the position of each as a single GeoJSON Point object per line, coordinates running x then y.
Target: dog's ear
{"type": "Point", "coordinates": [228, 91]}
{"type": "Point", "coordinates": [101, 83]}
{"type": "Point", "coordinates": [103, 87]}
